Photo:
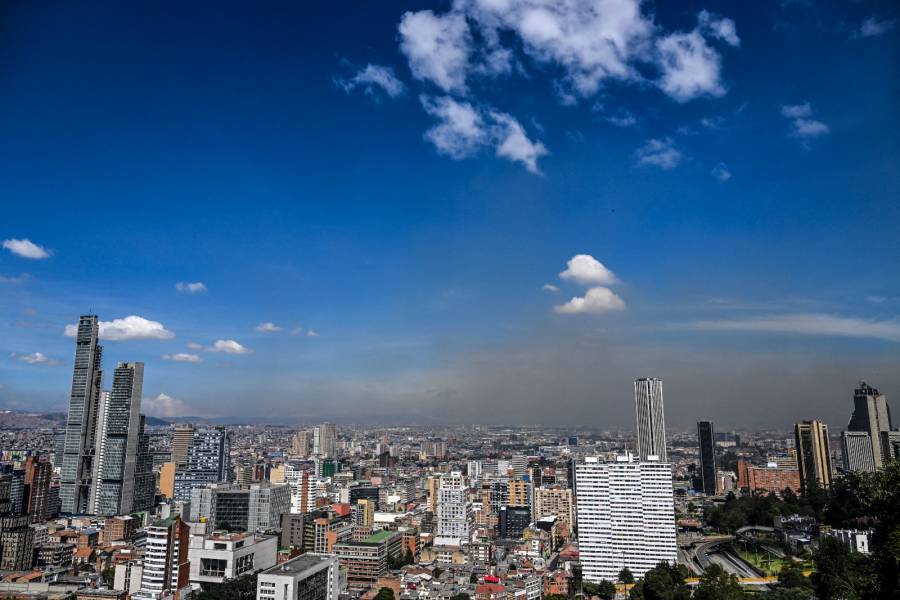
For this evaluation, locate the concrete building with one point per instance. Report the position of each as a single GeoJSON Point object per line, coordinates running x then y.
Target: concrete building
{"type": "Point", "coordinates": [38, 476]}
{"type": "Point", "coordinates": [127, 576]}
{"type": "Point", "coordinates": [858, 452]}
{"type": "Point", "coordinates": [220, 556]}
{"type": "Point", "coordinates": [207, 461]}
{"type": "Point", "coordinates": [167, 479]}
{"type": "Point", "coordinates": [651, 424]}
{"type": "Point", "coordinates": [454, 511]}
{"type": "Point", "coordinates": [325, 440]}
{"type": "Point", "coordinates": [554, 502]}
{"type": "Point", "coordinates": [872, 415]}
{"type": "Point", "coordinates": [768, 479]}
{"type": "Point", "coordinates": [307, 577]}
{"type": "Point", "coordinates": [626, 516]}
{"type": "Point", "coordinates": [231, 507]}
{"type": "Point", "coordinates": [166, 568]}
{"type": "Point", "coordinates": [854, 539]}
{"type": "Point", "coordinates": [813, 453]}
{"type": "Point", "coordinates": [182, 438]}
{"type": "Point", "coordinates": [367, 560]}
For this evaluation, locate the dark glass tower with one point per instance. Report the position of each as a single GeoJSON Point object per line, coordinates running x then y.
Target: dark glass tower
{"type": "Point", "coordinates": [706, 438]}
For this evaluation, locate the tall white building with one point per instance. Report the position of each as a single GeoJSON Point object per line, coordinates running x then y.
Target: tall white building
{"type": "Point", "coordinates": [454, 512]}
{"type": "Point", "coordinates": [651, 423]}
{"type": "Point", "coordinates": [626, 516]}
{"type": "Point", "coordinates": [324, 440]}
{"type": "Point", "coordinates": [166, 569]}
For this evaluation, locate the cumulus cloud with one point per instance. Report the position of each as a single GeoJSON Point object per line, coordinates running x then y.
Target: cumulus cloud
{"type": "Point", "coordinates": [437, 47]}
{"type": "Point", "coordinates": [464, 129]}
{"type": "Point", "coordinates": [267, 327]}
{"type": "Point", "coordinates": [129, 328]}
{"type": "Point", "coordinates": [312, 333]}
{"type": "Point", "coordinates": [194, 346]}
{"type": "Point", "coordinates": [549, 287]}
{"type": "Point", "coordinates": [718, 27]}
{"type": "Point", "coordinates": [660, 153]}
{"type": "Point", "coordinates": [721, 172]}
{"type": "Point", "coordinates": [587, 270]}
{"type": "Point", "coordinates": [182, 357]}
{"type": "Point", "coordinates": [372, 79]}
{"type": "Point", "coordinates": [872, 27]}
{"type": "Point", "coordinates": [596, 300]}
{"type": "Point", "coordinates": [26, 248]}
{"type": "Point", "coordinates": [804, 324]}
{"type": "Point", "coordinates": [802, 123]}
{"type": "Point", "coordinates": [622, 118]}
{"type": "Point", "coordinates": [197, 287]}
{"type": "Point", "coordinates": [166, 406]}
{"type": "Point", "coordinates": [229, 347]}
{"type": "Point", "coordinates": [690, 68]}
{"type": "Point", "coordinates": [35, 358]}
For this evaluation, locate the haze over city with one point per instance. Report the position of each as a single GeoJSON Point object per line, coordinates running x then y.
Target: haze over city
{"type": "Point", "coordinates": [297, 214]}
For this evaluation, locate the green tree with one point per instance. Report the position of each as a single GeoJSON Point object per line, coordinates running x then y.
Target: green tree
{"type": "Point", "coordinates": [840, 574]}
{"type": "Point", "coordinates": [461, 596]}
{"type": "Point", "coordinates": [717, 584]}
{"type": "Point", "coordinates": [239, 588]}
{"type": "Point", "coordinates": [625, 576]}
{"type": "Point", "coordinates": [662, 582]}
{"type": "Point", "coordinates": [606, 590]}
{"type": "Point", "coordinates": [791, 576]}
{"type": "Point", "coordinates": [385, 593]}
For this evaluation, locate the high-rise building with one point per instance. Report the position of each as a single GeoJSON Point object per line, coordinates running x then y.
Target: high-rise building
{"type": "Point", "coordinates": [300, 444]}
{"type": "Point", "coordinates": [229, 507]}
{"type": "Point", "coordinates": [16, 536]}
{"type": "Point", "coordinates": [207, 461]}
{"type": "Point", "coordinates": [707, 441]}
{"type": "Point", "coordinates": [324, 440]}
{"type": "Point", "coordinates": [182, 437]}
{"type": "Point", "coordinates": [166, 564]}
{"type": "Point", "coordinates": [813, 453]}
{"type": "Point", "coordinates": [167, 480]}
{"type": "Point", "coordinates": [871, 414]}
{"type": "Point", "coordinates": [77, 468]}
{"type": "Point", "coordinates": [38, 476]}
{"type": "Point", "coordinates": [432, 485]}
{"type": "Point", "coordinates": [857, 450]}
{"type": "Point", "coordinates": [890, 444]}
{"type": "Point", "coordinates": [119, 430]}
{"type": "Point", "coordinates": [454, 512]}
{"type": "Point", "coordinates": [626, 516]}
{"type": "Point", "coordinates": [554, 502]}
{"type": "Point", "coordinates": [651, 424]}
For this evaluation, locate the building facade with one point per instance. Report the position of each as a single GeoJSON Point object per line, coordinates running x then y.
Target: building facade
{"type": "Point", "coordinates": [872, 415]}
{"type": "Point", "coordinates": [706, 439]}
{"type": "Point", "coordinates": [207, 461]}
{"type": "Point", "coordinates": [813, 453]}
{"type": "Point", "coordinates": [651, 424]}
{"type": "Point", "coordinates": [306, 577]}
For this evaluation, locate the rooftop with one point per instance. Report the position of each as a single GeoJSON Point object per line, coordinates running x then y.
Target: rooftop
{"type": "Point", "coordinates": [377, 538]}
{"type": "Point", "coordinates": [302, 563]}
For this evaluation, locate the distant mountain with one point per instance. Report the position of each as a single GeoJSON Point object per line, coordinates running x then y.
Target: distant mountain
{"type": "Point", "coordinates": [14, 419]}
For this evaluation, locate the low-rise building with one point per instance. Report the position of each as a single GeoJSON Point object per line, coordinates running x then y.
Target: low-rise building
{"type": "Point", "coordinates": [222, 556]}
{"type": "Point", "coordinates": [306, 577]}
{"type": "Point", "coordinates": [369, 559]}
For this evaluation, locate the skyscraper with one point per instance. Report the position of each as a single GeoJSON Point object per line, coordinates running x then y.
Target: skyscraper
{"type": "Point", "coordinates": [707, 440]}
{"type": "Point", "coordinates": [166, 565]}
{"type": "Point", "coordinates": [454, 512]}
{"type": "Point", "coordinates": [181, 441]}
{"type": "Point", "coordinates": [626, 516]}
{"type": "Point", "coordinates": [117, 441]}
{"type": "Point", "coordinates": [77, 469]}
{"type": "Point", "coordinates": [813, 452]}
{"type": "Point", "coordinates": [324, 438]}
{"type": "Point", "coordinates": [207, 461]}
{"type": "Point", "coordinates": [651, 424]}
{"type": "Point", "coordinates": [38, 475]}
{"type": "Point", "coordinates": [872, 415]}
{"type": "Point", "coordinates": [856, 447]}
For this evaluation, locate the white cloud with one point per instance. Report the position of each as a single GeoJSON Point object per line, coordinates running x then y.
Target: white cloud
{"type": "Point", "coordinates": [876, 299]}
{"type": "Point", "coordinates": [690, 68]}
{"type": "Point", "coordinates": [437, 47]}
{"type": "Point", "coordinates": [267, 327]}
{"type": "Point", "coordinates": [464, 129]}
{"type": "Point", "coordinates": [194, 346]}
{"type": "Point", "coordinates": [312, 333]}
{"type": "Point", "coordinates": [805, 324]}
{"type": "Point", "coordinates": [872, 27]}
{"type": "Point", "coordinates": [585, 269]}
{"type": "Point", "coordinates": [622, 118]}
{"type": "Point", "coordinates": [372, 78]}
{"type": "Point", "coordinates": [804, 126]}
{"type": "Point", "coordinates": [721, 172]}
{"type": "Point", "coordinates": [461, 130]}
{"type": "Point", "coordinates": [129, 328]}
{"type": "Point", "coordinates": [14, 280]}
{"type": "Point", "coordinates": [197, 287]}
{"type": "Point", "coordinates": [512, 143]}
{"type": "Point", "coordinates": [718, 27]}
{"type": "Point", "coordinates": [182, 357]}
{"type": "Point", "coordinates": [229, 347]}
{"type": "Point", "coordinates": [549, 287]}
{"type": "Point", "coordinates": [660, 153]}
{"type": "Point", "coordinates": [596, 300]}
{"type": "Point", "coordinates": [166, 406]}
{"type": "Point", "coordinates": [26, 249]}
{"type": "Point", "coordinates": [297, 331]}
{"type": "Point", "coordinates": [35, 358]}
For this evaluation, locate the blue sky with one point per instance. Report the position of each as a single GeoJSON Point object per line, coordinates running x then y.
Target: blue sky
{"type": "Point", "coordinates": [408, 181]}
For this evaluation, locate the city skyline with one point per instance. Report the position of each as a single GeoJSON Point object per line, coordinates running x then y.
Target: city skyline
{"type": "Point", "coordinates": [335, 223]}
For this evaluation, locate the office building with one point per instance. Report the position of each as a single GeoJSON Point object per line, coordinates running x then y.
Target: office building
{"type": "Point", "coordinates": [813, 453]}
{"type": "Point", "coordinates": [512, 521]}
{"type": "Point", "coordinates": [307, 577]}
{"type": "Point", "coordinates": [167, 480]}
{"type": "Point", "coordinates": [890, 444]}
{"type": "Point", "coordinates": [38, 477]}
{"type": "Point", "coordinates": [858, 452]}
{"type": "Point", "coordinates": [300, 444]}
{"type": "Point", "coordinates": [166, 568]}
{"type": "Point", "coordinates": [207, 461]}
{"type": "Point", "coordinates": [706, 439]}
{"type": "Point", "coordinates": [220, 556]}
{"type": "Point", "coordinates": [16, 535]}
{"type": "Point", "coordinates": [554, 502]}
{"type": "Point", "coordinates": [182, 438]}
{"type": "Point", "coordinates": [77, 465]}
{"type": "Point", "coordinates": [116, 456]}
{"type": "Point", "coordinates": [367, 560]}
{"type": "Point", "coordinates": [651, 424]}
{"type": "Point", "coordinates": [454, 512]}
{"type": "Point", "coordinates": [872, 415]}
{"type": "Point", "coordinates": [324, 440]}
{"type": "Point", "coordinates": [229, 507]}
{"type": "Point", "coordinates": [626, 516]}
